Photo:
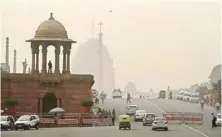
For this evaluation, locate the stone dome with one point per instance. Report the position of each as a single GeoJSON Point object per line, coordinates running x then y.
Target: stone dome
{"type": "Point", "coordinates": [51, 28]}
{"type": "Point", "coordinates": [86, 61]}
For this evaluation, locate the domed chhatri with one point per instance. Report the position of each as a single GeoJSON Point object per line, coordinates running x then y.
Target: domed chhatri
{"type": "Point", "coordinates": [47, 89]}
{"type": "Point", "coordinates": [51, 29]}
{"type": "Point", "coordinates": [51, 32]}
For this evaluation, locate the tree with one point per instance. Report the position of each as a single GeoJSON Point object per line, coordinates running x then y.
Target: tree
{"type": "Point", "coordinates": [215, 75]}
{"type": "Point", "coordinates": [217, 90]}
{"type": "Point", "coordinates": [202, 90]}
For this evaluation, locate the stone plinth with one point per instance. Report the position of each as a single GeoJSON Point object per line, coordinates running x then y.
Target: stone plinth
{"type": "Point", "coordinates": [30, 89]}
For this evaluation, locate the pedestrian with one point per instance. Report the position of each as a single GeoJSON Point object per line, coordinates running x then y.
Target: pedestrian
{"type": "Point", "coordinates": [113, 117]}
{"type": "Point", "coordinates": [214, 121]}
{"type": "Point", "coordinates": [80, 120]}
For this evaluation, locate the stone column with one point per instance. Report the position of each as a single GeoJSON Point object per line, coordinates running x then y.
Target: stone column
{"type": "Point", "coordinates": [44, 58]}
{"type": "Point", "coordinates": [57, 53]}
{"type": "Point", "coordinates": [58, 102]}
{"type": "Point", "coordinates": [33, 57]}
{"type": "Point", "coordinates": [68, 59]}
{"type": "Point", "coordinates": [37, 59]}
{"type": "Point", "coordinates": [64, 59]}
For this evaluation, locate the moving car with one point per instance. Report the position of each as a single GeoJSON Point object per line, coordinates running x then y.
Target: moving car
{"type": "Point", "coordinates": [139, 115]}
{"type": "Point", "coordinates": [124, 122]}
{"type": "Point", "coordinates": [7, 122]}
{"type": "Point", "coordinates": [131, 109]}
{"type": "Point", "coordinates": [194, 98]}
{"type": "Point", "coordinates": [186, 96]}
{"type": "Point", "coordinates": [148, 119]}
{"type": "Point", "coordinates": [219, 120]}
{"type": "Point", "coordinates": [160, 123]}
{"type": "Point", "coordinates": [180, 95]}
{"type": "Point", "coordinates": [27, 121]}
{"type": "Point", "coordinates": [117, 93]}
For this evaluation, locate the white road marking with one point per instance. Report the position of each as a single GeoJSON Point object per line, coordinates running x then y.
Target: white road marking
{"type": "Point", "coordinates": [195, 130]}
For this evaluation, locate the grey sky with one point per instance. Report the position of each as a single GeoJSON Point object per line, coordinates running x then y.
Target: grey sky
{"type": "Point", "coordinates": [153, 43]}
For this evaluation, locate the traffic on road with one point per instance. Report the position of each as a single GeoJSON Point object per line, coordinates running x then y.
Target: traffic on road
{"type": "Point", "coordinates": [150, 115]}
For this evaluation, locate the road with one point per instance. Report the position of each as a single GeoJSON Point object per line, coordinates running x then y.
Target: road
{"type": "Point", "coordinates": [152, 105]}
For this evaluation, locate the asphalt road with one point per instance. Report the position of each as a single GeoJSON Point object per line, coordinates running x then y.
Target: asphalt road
{"type": "Point", "coordinates": [119, 105]}
{"type": "Point", "coordinates": [181, 106]}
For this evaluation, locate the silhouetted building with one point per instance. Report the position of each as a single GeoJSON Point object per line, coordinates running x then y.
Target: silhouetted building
{"type": "Point", "coordinates": [130, 88]}
{"type": "Point", "coordinates": [93, 57]}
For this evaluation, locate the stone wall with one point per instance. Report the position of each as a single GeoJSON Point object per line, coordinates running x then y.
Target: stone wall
{"type": "Point", "coordinates": [29, 91]}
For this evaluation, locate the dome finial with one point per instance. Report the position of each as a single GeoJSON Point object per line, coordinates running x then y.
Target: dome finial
{"type": "Point", "coordinates": [51, 16]}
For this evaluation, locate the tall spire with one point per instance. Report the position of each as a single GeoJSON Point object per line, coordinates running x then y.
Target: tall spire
{"type": "Point", "coordinates": [7, 52]}
{"type": "Point", "coordinates": [100, 31]}
{"type": "Point", "coordinates": [14, 63]}
{"type": "Point", "coordinates": [100, 58]}
{"type": "Point", "coordinates": [93, 27]}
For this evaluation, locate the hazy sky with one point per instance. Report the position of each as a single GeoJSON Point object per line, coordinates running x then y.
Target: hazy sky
{"type": "Point", "coordinates": [153, 43]}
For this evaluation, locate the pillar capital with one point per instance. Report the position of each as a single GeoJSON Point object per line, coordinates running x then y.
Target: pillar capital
{"type": "Point", "coordinates": [68, 51]}
{"type": "Point", "coordinates": [35, 47]}
{"type": "Point", "coordinates": [57, 49]}
{"type": "Point", "coordinates": [44, 50]}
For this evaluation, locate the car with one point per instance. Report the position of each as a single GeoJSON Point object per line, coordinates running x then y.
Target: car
{"type": "Point", "coordinates": [186, 96]}
{"type": "Point", "coordinates": [160, 123]}
{"type": "Point", "coordinates": [27, 121]}
{"type": "Point", "coordinates": [131, 110]}
{"type": "Point", "coordinates": [7, 122]}
{"type": "Point", "coordinates": [139, 115]}
{"type": "Point", "coordinates": [180, 95]}
{"type": "Point", "coordinates": [148, 119]}
{"type": "Point", "coordinates": [219, 120]}
{"type": "Point", "coordinates": [194, 98]}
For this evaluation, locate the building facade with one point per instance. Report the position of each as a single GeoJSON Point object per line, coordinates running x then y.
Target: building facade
{"type": "Point", "coordinates": [42, 90]}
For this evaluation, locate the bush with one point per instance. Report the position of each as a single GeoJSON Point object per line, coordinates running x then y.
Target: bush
{"type": "Point", "coordinates": [86, 103]}
{"type": "Point", "coordinates": [10, 102]}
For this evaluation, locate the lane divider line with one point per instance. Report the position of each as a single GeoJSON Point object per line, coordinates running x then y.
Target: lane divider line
{"type": "Point", "coordinates": [195, 130]}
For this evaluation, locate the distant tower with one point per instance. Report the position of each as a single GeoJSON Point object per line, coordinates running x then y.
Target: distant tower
{"type": "Point", "coordinates": [14, 63]}
{"type": "Point", "coordinates": [100, 58]}
{"type": "Point", "coordinates": [93, 26]}
{"type": "Point", "coordinates": [7, 54]}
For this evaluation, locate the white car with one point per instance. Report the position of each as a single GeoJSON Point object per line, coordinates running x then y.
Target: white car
{"type": "Point", "coordinates": [7, 122]}
{"type": "Point", "coordinates": [194, 98]}
{"type": "Point", "coordinates": [186, 96]}
{"type": "Point", "coordinates": [180, 95]}
{"type": "Point", "coordinates": [148, 119]}
{"type": "Point", "coordinates": [131, 110]}
{"type": "Point", "coordinates": [219, 120]}
{"type": "Point", "coordinates": [27, 121]}
{"type": "Point", "coordinates": [160, 123]}
{"type": "Point", "coordinates": [139, 115]}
